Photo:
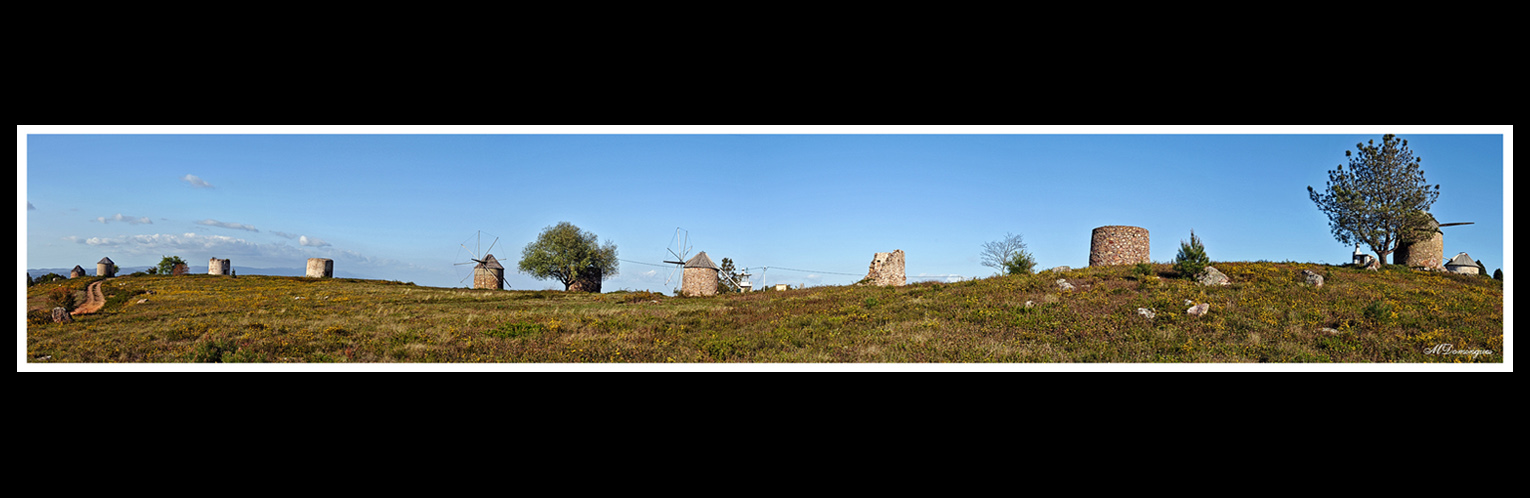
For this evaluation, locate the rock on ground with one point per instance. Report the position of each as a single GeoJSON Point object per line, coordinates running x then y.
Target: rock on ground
{"type": "Point", "coordinates": [1212, 276]}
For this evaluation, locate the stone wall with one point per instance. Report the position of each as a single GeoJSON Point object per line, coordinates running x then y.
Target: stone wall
{"type": "Point", "coordinates": [321, 268]}
{"type": "Point", "coordinates": [887, 269]}
{"type": "Point", "coordinates": [588, 281]}
{"type": "Point", "coordinates": [699, 282]}
{"type": "Point", "coordinates": [1118, 245]}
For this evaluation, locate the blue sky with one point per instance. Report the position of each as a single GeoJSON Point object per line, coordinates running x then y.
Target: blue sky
{"type": "Point", "coordinates": [395, 202]}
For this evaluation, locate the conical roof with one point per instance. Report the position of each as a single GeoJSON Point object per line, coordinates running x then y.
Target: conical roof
{"type": "Point", "coordinates": [105, 261]}
{"type": "Point", "coordinates": [701, 261]}
{"type": "Point", "coordinates": [1461, 260]}
{"type": "Point", "coordinates": [489, 263]}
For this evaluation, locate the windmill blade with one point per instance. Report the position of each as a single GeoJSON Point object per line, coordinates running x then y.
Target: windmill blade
{"type": "Point", "coordinates": [491, 246]}
{"type": "Point", "coordinates": [1457, 223]}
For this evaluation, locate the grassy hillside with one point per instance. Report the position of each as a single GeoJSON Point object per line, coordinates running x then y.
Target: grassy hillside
{"type": "Point", "coordinates": [1266, 315]}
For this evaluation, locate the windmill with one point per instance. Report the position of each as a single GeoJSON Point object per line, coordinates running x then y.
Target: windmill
{"type": "Point", "coordinates": [486, 272]}
{"type": "Point", "coordinates": [679, 248]}
{"type": "Point", "coordinates": [1425, 247]}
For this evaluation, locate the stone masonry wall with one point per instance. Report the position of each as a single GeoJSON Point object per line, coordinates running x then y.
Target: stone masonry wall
{"type": "Point", "coordinates": [699, 282]}
{"type": "Point", "coordinates": [1422, 254]}
{"type": "Point", "coordinates": [1118, 245]}
{"type": "Point", "coordinates": [588, 281]}
{"type": "Point", "coordinates": [887, 269]}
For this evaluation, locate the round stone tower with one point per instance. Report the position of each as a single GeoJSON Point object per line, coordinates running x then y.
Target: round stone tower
{"type": "Point", "coordinates": [1118, 245]}
{"type": "Point", "coordinates": [321, 268]}
{"type": "Point", "coordinates": [1422, 248]}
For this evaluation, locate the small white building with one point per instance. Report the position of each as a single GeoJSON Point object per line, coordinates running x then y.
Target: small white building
{"type": "Point", "coordinates": [1462, 264]}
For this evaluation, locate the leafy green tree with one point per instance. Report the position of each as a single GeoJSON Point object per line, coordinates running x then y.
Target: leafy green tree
{"type": "Point", "coordinates": [1375, 200]}
{"type": "Point", "coordinates": [727, 276]}
{"type": "Point", "coordinates": [1191, 258]}
{"type": "Point", "coordinates": [563, 252]}
{"type": "Point", "coordinates": [167, 264]}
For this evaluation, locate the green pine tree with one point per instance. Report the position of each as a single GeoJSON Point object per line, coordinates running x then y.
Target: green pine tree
{"type": "Point", "coordinates": [1191, 258]}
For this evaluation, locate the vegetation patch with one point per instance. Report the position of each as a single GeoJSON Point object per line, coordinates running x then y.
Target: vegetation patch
{"type": "Point", "coordinates": [515, 329]}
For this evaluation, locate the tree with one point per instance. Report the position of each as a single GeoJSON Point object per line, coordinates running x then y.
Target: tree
{"type": "Point", "coordinates": [1375, 201]}
{"type": "Point", "coordinates": [1007, 255]}
{"type": "Point", "coordinates": [563, 252]}
{"type": "Point", "coordinates": [727, 276]}
{"type": "Point", "coordinates": [1191, 259]}
{"type": "Point", "coordinates": [167, 264]}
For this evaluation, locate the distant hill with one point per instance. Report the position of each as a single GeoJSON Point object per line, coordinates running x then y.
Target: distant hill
{"type": "Point", "coordinates": [238, 270]}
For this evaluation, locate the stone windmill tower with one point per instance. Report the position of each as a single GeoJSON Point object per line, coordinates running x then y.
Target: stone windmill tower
{"type": "Point", "coordinates": [106, 268]}
{"type": "Point", "coordinates": [320, 268]}
{"type": "Point", "coordinates": [217, 266]}
{"type": "Point", "coordinates": [1118, 245]}
{"type": "Point", "coordinates": [700, 276]}
{"type": "Point", "coordinates": [488, 273]}
{"type": "Point", "coordinates": [1424, 247]}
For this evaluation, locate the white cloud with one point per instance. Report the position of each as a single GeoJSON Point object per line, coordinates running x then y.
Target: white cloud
{"type": "Point", "coordinates": [311, 242]}
{"type": "Point", "coordinates": [284, 235]}
{"type": "Point", "coordinates": [236, 226]}
{"type": "Point", "coordinates": [196, 182]}
{"type": "Point", "coordinates": [141, 220]}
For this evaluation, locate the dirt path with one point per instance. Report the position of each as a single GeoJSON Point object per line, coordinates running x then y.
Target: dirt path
{"type": "Point", "coordinates": [94, 300]}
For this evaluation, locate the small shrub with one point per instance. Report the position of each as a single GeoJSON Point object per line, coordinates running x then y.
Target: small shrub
{"type": "Point", "coordinates": [1022, 263]}
{"type": "Point", "coordinates": [1379, 312]}
{"type": "Point", "coordinates": [1142, 269]}
{"type": "Point", "coordinates": [1191, 258]}
{"type": "Point", "coordinates": [222, 351]}
{"type": "Point", "coordinates": [62, 297]}
{"type": "Point", "coordinates": [513, 330]}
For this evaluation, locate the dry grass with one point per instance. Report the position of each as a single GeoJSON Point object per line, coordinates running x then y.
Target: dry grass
{"type": "Point", "coordinates": [1266, 315]}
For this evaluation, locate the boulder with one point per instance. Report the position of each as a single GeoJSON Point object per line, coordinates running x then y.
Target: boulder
{"type": "Point", "coordinates": [1312, 278]}
{"type": "Point", "coordinates": [61, 315]}
{"type": "Point", "coordinates": [1146, 312]}
{"type": "Point", "coordinates": [1199, 309]}
{"type": "Point", "coordinates": [1063, 284]}
{"type": "Point", "coordinates": [1059, 269]}
{"type": "Point", "coordinates": [1211, 276]}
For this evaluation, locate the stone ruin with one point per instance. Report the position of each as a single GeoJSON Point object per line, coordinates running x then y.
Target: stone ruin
{"type": "Point", "coordinates": [1118, 245]}
{"type": "Point", "coordinates": [321, 268]}
{"type": "Point", "coordinates": [217, 266]}
{"type": "Point", "coordinates": [588, 281]}
{"type": "Point", "coordinates": [886, 269]}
